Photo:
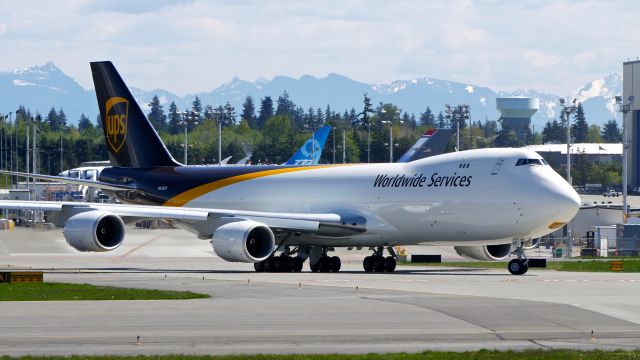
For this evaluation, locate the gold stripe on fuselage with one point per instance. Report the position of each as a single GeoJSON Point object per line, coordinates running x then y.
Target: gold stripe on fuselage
{"type": "Point", "coordinates": [187, 196]}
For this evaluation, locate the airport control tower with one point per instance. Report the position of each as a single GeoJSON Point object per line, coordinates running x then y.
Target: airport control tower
{"type": "Point", "coordinates": [517, 112]}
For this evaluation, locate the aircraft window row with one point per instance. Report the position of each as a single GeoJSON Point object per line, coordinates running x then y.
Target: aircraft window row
{"type": "Point", "coordinates": [531, 162]}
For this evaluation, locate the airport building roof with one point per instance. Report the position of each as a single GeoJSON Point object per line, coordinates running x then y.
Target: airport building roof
{"type": "Point", "coordinates": [580, 148]}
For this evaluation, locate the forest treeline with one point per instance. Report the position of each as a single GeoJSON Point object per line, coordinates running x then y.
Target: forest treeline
{"type": "Point", "coordinates": [273, 129]}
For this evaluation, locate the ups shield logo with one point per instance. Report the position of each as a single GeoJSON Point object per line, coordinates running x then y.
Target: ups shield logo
{"type": "Point", "coordinates": [117, 110]}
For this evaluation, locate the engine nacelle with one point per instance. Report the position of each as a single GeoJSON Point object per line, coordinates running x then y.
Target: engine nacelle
{"type": "Point", "coordinates": [485, 252]}
{"type": "Point", "coordinates": [94, 231]}
{"type": "Point", "coordinates": [243, 241]}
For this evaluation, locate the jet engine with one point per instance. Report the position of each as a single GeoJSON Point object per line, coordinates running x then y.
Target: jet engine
{"type": "Point", "coordinates": [243, 241]}
{"type": "Point", "coordinates": [94, 231]}
{"type": "Point", "coordinates": [485, 252]}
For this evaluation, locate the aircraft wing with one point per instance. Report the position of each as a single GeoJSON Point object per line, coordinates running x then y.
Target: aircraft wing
{"type": "Point", "coordinates": [285, 221]}
{"type": "Point", "coordinates": [66, 180]}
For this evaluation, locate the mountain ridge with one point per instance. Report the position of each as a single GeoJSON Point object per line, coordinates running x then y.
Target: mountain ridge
{"type": "Point", "coordinates": [47, 85]}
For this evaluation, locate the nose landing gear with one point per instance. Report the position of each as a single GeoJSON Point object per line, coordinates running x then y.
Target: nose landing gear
{"type": "Point", "coordinates": [378, 263]}
{"type": "Point", "coordinates": [519, 266]}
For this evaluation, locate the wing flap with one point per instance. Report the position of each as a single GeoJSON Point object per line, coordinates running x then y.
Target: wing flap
{"type": "Point", "coordinates": [66, 180]}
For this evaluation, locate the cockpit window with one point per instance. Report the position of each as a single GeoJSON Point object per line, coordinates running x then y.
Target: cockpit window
{"type": "Point", "coordinates": [540, 162]}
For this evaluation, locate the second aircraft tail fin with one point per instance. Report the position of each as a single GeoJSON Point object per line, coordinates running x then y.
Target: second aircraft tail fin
{"type": "Point", "coordinates": [309, 153]}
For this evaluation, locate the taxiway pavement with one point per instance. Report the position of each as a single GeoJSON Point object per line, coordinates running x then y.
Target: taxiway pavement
{"type": "Point", "coordinates": [414, 309]}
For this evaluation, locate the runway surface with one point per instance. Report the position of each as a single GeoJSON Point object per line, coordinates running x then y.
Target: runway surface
{"type": "Point", "coordinates": [414, 309]}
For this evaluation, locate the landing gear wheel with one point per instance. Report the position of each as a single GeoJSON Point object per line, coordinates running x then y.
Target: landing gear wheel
{"type": "Point", "coordinates": [378, 263]}
{"type": "Point", "coordinates": [259, 266]}
{"type": "Point", "coordinates": [276, 264]}
{"type": "Point", "coordinates": [367, 264]}
{"type": "Point", "coordinates": [297, 264]}
{"type": "Point", "coordinates": [324, 264]}
{"type": "Point", "coordinates": [286, 262]}
{"type": "Point", "coordinates": [389, 264]}
{"type": "Point", "coordinates": [335, 264]}
{"type": "Point", "coordinates": [518, 267]}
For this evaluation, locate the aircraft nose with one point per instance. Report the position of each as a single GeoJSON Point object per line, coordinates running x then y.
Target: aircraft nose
{"type": "Point", "coordinates": [566, 201]}
{"type": "Point", "coordinates": [569, 198]}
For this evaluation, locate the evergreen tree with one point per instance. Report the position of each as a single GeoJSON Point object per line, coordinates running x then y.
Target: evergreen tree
{"type": "Point", "coordinates": [367, 109]}
{"type": "Point", "coordinates": [352, 116]}
{"type": "Point", "coordinates": [84, 123]}
{"type": "Point", "coordinates": [174, 119]}
{"type": "Point", "coordinates": [52, 120]}
{"type": "Point", "coordinates": [285, 106]}
{"type": "Point", "coordinates": [328, 114]}
{"type": "Point", "coordinates": [506, 136]}
{"type": "Point", "coordinates": [554, 132]}
{"type": "Point", "coordinates": [266, 111]}
{"type": "Point", "coordinates": [412, 121]}
{"type": "Point", "coordinates": [196, 109]}
{"type": "Point", "coordinates": [579, 128]}
{"type": "Point", "coordinates": [62, 119]}
{"type": "Point", "coordinates": [441, 121]}
{"type": "Point", "coordinates": [611, 132]}
{"type": "Point", "coordinates": [319, 118]}
{"type": "Point", "coordinates": [427, 118]}
{"type": "Point", "coordinates": [156, 115]}
{"type": "Point", "coordinates": [249, 112]}
{"type": "Point", "coordinates": [229, 114]}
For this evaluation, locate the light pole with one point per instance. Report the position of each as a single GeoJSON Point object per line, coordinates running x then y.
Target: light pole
{"type": "Point", "coordinates": [368, 142]}
{"type": "Point", "coordinates": [463, 112]}
{"type": "Point", "coordinates": [333, 132]}
{"type": "Point", "coordinates": [219, 115]}
{"type": "Point", "coordinates": [344, 146]}
{"type": "Point", "coordinates": [61, 154]}
{"type": "Point", "coordinates": [390, 123]}
{"type": "Point", "coordinates": [567, 110]}
{"type": "Point", "coordinates": [624, 109]}
{"type": "Point", "coordinates": [185, 123]}
{"type": "Point", "coordinates": [460, 112]}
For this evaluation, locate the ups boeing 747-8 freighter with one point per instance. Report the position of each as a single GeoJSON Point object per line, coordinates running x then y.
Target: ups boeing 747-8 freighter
{"type": "Point", "coordinates": [489, 203]}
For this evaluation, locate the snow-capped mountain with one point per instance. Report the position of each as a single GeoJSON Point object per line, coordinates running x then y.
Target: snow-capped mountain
{"type": "Point", "coordinates": [41, 87]}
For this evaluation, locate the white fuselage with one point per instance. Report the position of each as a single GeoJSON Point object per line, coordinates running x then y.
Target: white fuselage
{"type": "Point", "coordinates": [464, 198]}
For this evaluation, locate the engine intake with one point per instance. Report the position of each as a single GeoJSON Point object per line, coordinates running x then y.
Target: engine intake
{"type": "Point", "coordinates": [485, 252]}
{"type": "Point", "coordinates": [243, 241]}
{"type": "Point", "coordinates": [94, 231]}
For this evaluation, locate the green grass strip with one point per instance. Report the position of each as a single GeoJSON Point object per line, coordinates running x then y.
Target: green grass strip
{"type": "Point", "coordinates": [49, 291]}
{"type": "Point", "coordinates": [428, 355]}
{"type": "Point", "coordinates": [630, 265]}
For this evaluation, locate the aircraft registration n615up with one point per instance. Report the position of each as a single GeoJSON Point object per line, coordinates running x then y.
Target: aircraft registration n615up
{"type": "Point", "coordinates": [488, 203]}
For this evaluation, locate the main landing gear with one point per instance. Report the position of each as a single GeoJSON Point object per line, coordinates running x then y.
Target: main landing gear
{"type": "Point", "coordinates": [282, 263]}
{"type": "Point", "coordinates": [325, 263]}
{"type": "Point", "coordinates": [520, 265]}
{"type": "Point", "coordinates": [378, 263]}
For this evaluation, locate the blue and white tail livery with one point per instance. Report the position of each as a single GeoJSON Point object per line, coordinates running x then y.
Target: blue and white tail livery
{"type": "Point", "coordinates": [309, 153]}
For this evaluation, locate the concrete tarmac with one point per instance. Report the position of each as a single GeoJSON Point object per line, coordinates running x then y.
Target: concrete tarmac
{"type": "Point", "coordinates": [414, 309]}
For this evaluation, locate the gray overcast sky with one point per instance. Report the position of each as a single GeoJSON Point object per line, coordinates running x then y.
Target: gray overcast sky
{"type": "Point", "coordinates": [192, 46]}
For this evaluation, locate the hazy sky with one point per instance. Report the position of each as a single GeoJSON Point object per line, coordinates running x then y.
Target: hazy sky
{"type": "Point", "coordinates": [192, 46]}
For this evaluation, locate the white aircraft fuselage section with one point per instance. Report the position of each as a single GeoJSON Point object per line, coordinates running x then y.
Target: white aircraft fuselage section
{"type": "Point", "coordinates": [458, 198]}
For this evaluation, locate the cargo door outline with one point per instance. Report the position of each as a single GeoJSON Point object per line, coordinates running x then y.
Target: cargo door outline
{"type": "Point", "coordinates": [497, 166]}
